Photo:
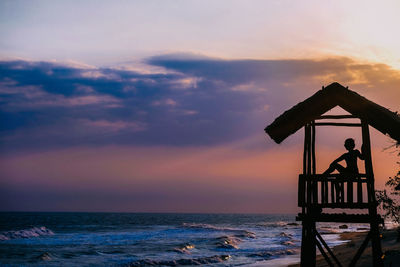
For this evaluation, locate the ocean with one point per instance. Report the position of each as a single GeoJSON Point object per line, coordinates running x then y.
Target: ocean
{"type": "Point", "coordinates": [153, 239]}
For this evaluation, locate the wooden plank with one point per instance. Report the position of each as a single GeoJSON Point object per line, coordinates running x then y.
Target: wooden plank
{"type": "Point", "coordinates": [338, 124]}
{"type": "Point", "coordinates": [360, 250]}
{"type": "Point", "coordinates": [338, 175]}
{"type": "Point", "coordinates": [339, 205]}
{"type": "Point", "coordinates": [328, 249]}
{"type": "Point", "coordinates": [342, 217]}
{"type": "Point", "coordinates": [324, 254]}
{"type": "Point", "coordinates": [337, 117]}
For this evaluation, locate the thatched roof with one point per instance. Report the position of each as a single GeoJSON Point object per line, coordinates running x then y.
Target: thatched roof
{"type": "Point", "coordinates": [382, 119]}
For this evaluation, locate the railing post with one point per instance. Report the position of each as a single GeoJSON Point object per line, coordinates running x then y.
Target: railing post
{"type": "Point", "coordinates": [359, 190]}
{"type": "Point", "coordinates": [342, 191]}
{"type": "Point", "coordinates": [350, 191]}
{"type": "Point", "coordinates": [326, 191]}
{"type": "Point", "coordinates": [323, 191]}
{"type": "Point", "coordinates": [338, 190]}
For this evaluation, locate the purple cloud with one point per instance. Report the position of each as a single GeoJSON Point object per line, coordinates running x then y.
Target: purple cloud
{"type": "Point", "coordinates": [186, 101]}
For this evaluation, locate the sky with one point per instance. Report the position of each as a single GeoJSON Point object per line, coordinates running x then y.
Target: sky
{"type": "Point", "coordinates": [160, 106]}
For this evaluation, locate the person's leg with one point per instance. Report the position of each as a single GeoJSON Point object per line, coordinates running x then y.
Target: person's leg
{"type": "Point", "coordinates": [333, 167]}
{"type": "Point", "coordinates": [337, 185]}
{"type": "Point", "coordinates": [340, 168]}
{"type": "Point", "coordinates": [340, 185]}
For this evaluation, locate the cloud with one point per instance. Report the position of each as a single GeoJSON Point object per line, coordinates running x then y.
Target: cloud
{"type": "Point", "coordinates": [115, 126]}
{"type": "Point", "coordinates": [184, 100]}
{"type": "Point", "coordinates": [186, 138]}
{"type": "Point", "coordinates": [295, 74]}
{"type": "Point", "coordinates": [190, 112]}
{"type": "Point", "coordinates": [165, 102]}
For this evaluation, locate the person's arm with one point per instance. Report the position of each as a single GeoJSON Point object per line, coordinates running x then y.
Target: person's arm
{"type": "Point", "coordinates": [361, 154]}
{"type": "Point", "coordinates": [342, 157]}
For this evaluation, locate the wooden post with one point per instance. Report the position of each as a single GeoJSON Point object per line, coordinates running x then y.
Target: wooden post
{"type": "Point", "coordinates": [309, 137]}
{"type": "Point", "coordinates": [308, 241]}
{"type": "Point", "coordinates": [305, 189]}
{"type": "Point", "coordinates": [374, 224]}
{"type": "Point", "coordinates": [301, 192]}
{"type": "Point", "coordinates": [313, 166]}
{"type": "Point", "coordinates": [308, 165]}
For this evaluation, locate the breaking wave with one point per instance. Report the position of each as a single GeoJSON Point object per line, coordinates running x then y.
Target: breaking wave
{"type": "Point", "coordinates": [228, 242]}
{"type": "Point", "coordinates": [273, 254]}
{"type": "Point", "coordinates": [285, 235]}
{"type": "Point", "coordinates": [236, 232]}
{"type": "Point", "coordinates": [45, 257]}
{"type": "Point", "coordinates": [184, 249]}
{"type": "Point", "coordinates": [279, 224]}
{"type": "Point", "coordinates": [26, 233]}
{"type": "Point", "coordinates": [179, 262]}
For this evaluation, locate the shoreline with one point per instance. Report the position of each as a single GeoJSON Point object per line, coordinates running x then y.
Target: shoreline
{"type": "Point", "coordinates": [345, 252]}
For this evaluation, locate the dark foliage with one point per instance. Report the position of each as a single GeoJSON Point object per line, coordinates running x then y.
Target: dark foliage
{"type": "Point", "coordinates": [388, 199]}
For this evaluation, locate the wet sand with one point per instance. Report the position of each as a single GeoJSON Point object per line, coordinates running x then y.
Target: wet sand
{"type": "Point", "coordinates": [345, 252]}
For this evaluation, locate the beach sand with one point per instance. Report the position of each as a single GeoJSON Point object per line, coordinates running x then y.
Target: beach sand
{"type": "Point", "coordinates": [345, 252]}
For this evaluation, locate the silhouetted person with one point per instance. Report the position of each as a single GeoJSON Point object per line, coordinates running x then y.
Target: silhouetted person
{"type": "Point", "coordinates": [350, 157]}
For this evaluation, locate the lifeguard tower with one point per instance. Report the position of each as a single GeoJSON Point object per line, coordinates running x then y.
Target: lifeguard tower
{"type": "Point", "coordinates": [319, 192]}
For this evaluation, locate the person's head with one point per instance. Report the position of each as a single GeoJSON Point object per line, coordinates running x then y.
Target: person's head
{"type": "Point", "coordinates": [349, 144]}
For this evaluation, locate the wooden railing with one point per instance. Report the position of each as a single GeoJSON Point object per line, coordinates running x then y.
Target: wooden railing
{"type": "Point", "coordinates": [334, 191]}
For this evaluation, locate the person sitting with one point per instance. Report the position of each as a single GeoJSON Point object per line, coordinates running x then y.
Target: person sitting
{"type": "Point", "coordinates": [351, 168]}
{"type": "Point", "coordinates": [350, 158]}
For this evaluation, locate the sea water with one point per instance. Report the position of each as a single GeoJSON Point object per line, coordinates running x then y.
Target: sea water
{"type": "Point", "coordinates": [153, 239]}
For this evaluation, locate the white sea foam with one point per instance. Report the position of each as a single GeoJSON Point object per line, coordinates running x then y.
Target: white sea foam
{"type": "Point", "coordinates": [279, 224]}
{"type": "Point", "coordinates": [26, 233]}
{"type": "Point", "coordinates": [236, 232]}
{"type": "Point", "coordinates": [207, 226]}
{"type": "Point", "coordinates": [184, 249]}
{"type": "Point", "coordinates": [228, 242]}
{"type": "Point", "coordinates": [279, 262]}
{"type": "Point", "coordinates": [390, 224]}
{"type": "Point", "coordinates": [179, 262]}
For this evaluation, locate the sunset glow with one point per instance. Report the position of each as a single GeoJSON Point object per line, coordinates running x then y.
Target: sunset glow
{"type": "Point", "coordinates": [160, 106]}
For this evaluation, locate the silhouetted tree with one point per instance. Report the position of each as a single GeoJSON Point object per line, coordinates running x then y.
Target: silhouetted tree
{"type": "Point", "coordinates": [388, 199]}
